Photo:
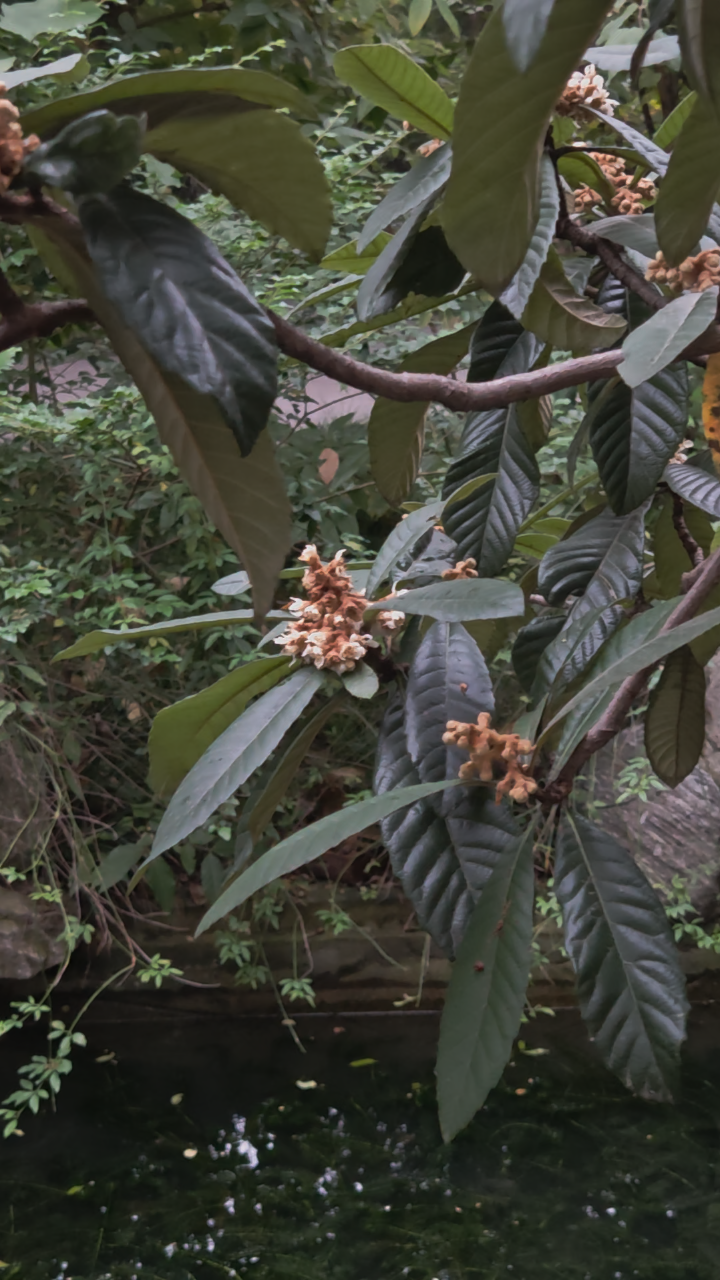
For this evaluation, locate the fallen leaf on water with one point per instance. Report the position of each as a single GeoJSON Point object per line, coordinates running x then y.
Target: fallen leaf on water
{"type": "Point", "coordinates": [177, 1099]}
{"type": "Point", "coordinates": [306, 1084]}
{"type": "Point", "coordinates": [364, 1062]}
{"type": "Point", "coordinates": [190, 1153]}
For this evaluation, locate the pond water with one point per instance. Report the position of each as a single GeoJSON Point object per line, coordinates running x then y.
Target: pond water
{"type": "Point", "coordinates": [248, 1174]}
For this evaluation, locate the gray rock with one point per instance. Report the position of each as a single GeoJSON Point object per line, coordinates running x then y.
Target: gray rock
{"type": "Point", "coordinates": [29, 935]}
{"type": "Point", "coordinates": [25, 813]}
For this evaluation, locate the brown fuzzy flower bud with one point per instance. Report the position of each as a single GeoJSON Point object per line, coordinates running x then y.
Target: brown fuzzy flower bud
{"type": "Point", "coordinates": [585, 89]}
{"type": "Point", "coordinates": [694, 275]}
{"type": "Point", "coordinates": [463, 569]}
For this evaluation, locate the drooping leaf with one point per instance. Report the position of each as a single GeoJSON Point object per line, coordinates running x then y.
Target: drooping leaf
{"type": "Point", "coordinates": [580, 169]}
{"type": "Point", "coordinates": [396, 432]}
{"type": "Point", "coordinates": [518, 292]}
{"type": "Point", "coordinates": [418, 14]}
{"type": "Point", "coordinates": [558, 315]}
{"type": "Point", "coordinates": [670, 556]}
{"type": "Point", "coordinates": [663, 337]}
{"type": "Point", "coordinates": [691, 185]}
{"type": "Point", "coordinates": [448, 680]}
{"type": "Point", "coordinates": [95, 640]}
{"type": "Point", "coordinates": [421, 852]}
{"type": "Point", "coordinates": [188, 91]}
{"type": "Point", "coordinates": [309, 843]}
{"type": "Point", "coordinates": [91, 154]}
{"type": "Point", "coordinates": [567, 569]}
{"type": "Point", "coordinates": [483, 833]}
{"type": "Point", "coordinates": [390, 79]}
{"type": "Point", "coordinates": [630, 984]}
{"type": "Point", "coordinates": [185, 304]}
{"type": "Point", "coordinates": [116, 865]}
{"type": "Point", "coordinates": [459, 600]}
{"type": "Point", "coordinates": [525, 25]}
{"type": "Point", "coordinates": [653, 155]}
{"type": "Point", "coordinates": [500, 346]}
{"type": "Point", "coordinates": [634, 231]}
{"type": "Point", "coordinates": [695, 486]}
{"type": "Point", "coordinates": [234, 756]}
{"type": "Point", "coordinates": [161, 883]}
{"type": "Point", "coordinates": [620, 57]}
{"type": "Point", "coordinates": [675, 719]}
{"type": "Point", "coordinates": [268, 168]}
{"type": "Point", "coordinates": [667, 132]}
{"type": "Point", "coordinates": [483, 1007]}
{"type": "Point", "coordinates": [700, 41]}
{"type": "Point", "coordinates": [362, 681]}
{"type": "Point", "coordinates": [233, 584]}
{"type": "Point", "coordinates": [35, 17]}
{"type": "Point", "coordinates": [635, 433]}
{"type": "Point", "coordinates": [531, 642]}
{"type": "Point", "coordinates": [261, 807]}
{"type": "Point", "coordinates": [348, 257]}
{"type": "Point", "coordinates": [417, 260]}
{"type": "Point", "coordinates": [400, 542]}
{"type": "Point", "coordinates": [181, 733]}
{"type": "Point", "coordinates": [599, 611]}
{"type": "Point", "coordinates": [491, 206]}
{"type": "Point", "coordinates": [486, 523]}
{"type": "Point", "coordinates": [60, 68]}
{"type": "Point", "coordinates": [425, 180]}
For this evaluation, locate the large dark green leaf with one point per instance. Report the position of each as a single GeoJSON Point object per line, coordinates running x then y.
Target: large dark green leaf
{"type": "Point", "coordinates": [95, 640]}
{"type": "Point", "coordinates": [568, 567]}
{"type": "Point", "coordinates": [34, 17]}
{"type": "Point", "coordinates": [635, 432]}
{"type": "Point", "coordinates": [269, 169]}
{"type": "Point", "coordinates": [417, 839]}
{"type": "Point", "coordinates": [415, 261]}
{"type": "Point", "coordinates": [630, 984]}
{"type": "Point", "coordinates": [695, 486]}
{"type": "Point", "coordinates": [396, 432]}
{"type": "Point", "coordinates": [425, 180]}
{"type": "Point", "coordinates": [459, 601]}
{"type": "Point", "coordinates": [525, 25]}
{"type": "Point", "coordinates": [400, 542]}
{"type": "Point", "coordinates": [234, 756]}
{"type": "Point", "coordinates": [389, 78]}
{"type": "Point", "coordinates": [662, 338]}
{"type": "Point", "coordinates": [599, 611]}
{"type": "Point", "coordinates": [560, 316]}
{"type": "Point", "coordinates": [244, 497]}
{"type": "Point", "coordinates": [691, 185]}
{"type": "Point", "coordinates": [161, 95]}
{"type": "Point", "coordinates": [530, 644]}
{"type": "Point", "coordinates": [646, 149]}
{"type": "Point", "coordinates": [500, 346]}
{"type": "Point", "coordinates": [485, 524]}
{"type": "Point", "coordinates": [491, 207]}
{"type": "Point", "coordinates": [309, 843]}
{"type": "Point", "coordinates": [483, 1007]}
{"type": "Point", "coordinates": [262, 806]}
{"type": "Point", "coordinates": [675, 720]}
{"type": "Point", "coordinates": [90, 154]}
{"type": "Point", "coordinates": [483, 832]}
{"type": "Point", "coordinates": [699, 26]}
{"type": "Point", "coordinates": [182, 733]}
{"type": "Point", "coordinates": [448, 681]}
{"type": "Point", "coordinates": [518, 292]}
{"type": "Point", "coordinates": [185, 304]}
{"type": "Point", "coordinates": [634, 231]}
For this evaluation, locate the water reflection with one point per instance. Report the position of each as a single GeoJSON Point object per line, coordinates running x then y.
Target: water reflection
{"type": "Point", "coordinates": [562, 1175]}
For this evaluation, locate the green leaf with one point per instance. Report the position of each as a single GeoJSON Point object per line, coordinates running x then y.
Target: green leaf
{"type": "Point", "coordinates": [675, 719]}
{"type": "Point", "coordinates": [500, 346]}
{"type": "Point", "coordinates": [645, 655]}
{"type": "Point", "coordinates": [635, 231]}
{"type": "Point", "coordinates": [91, 154]}
{"type": "Point", "coordinates": [61, 67]}
{"type": "Point", "coordinates": [34, 18]}
{"type": "Point", "coordinates": [182, 733]}
{"type": "Point", "coordinates": [667, 132]}
{"type": "Point", "coordinates": [416, 261]}
{"type": "Point", "coordinates": [258, 814]}
{"type": "Point", "coordinates": [391, 80]}
{"type": "Point", "coordinates": [695, 486]}
{"type": "Point", "coordinates": [531, 642]}
{"type": "Point", "coordinates": [268, 168]}
{"type": "Point", "coordinates": [448, 680]}
{"type": "Point", "coordinates": [400, 543]}
{"type": "Point", "coordinates": [578, 168]}
{"type": "Point", "coordinates": [95, 640]}
{"type": "Point", "coordinates": [185, 304]}
{"type": "Point", "coordinates": [558, 315]}
{"type": "Point", "coordinates": [486, 523]}
{"type": "Point", "coordinates": [233, 757]}
{"type": "Point", "coordinates": [310, 843]}
{"type": "Point", "coordinates": [116, 865]}
{"type": "Point", "coordinates": [418, 14]}
{"type": "Point", "coordinates": [161, 882]}
{"type": "Point", "coordinates": [620, 57]}
{"type": "Point", "coordinates": [212, 876]}
{"type": "Point", "coordinates": [569, 567]}
{"type": "Point", "coordinates": [362, 681]}
{"type": "Point", "coordinates": [630, 984]}
{"type": "Point", "coordinates": [459, 600]}
{"type": "Point", "coordinates": [635, 433]}
{"type": "Point", "coordinates": [525, 26]}
{"type": "Point", "coordinates": [207, 91]}
{"type": "Point", "coordinates": [653, 155]}
{"type": "Point", "coordinates": [700, 40]}
{"type": "Point", "coordinates": [690, 187]}
{"type": "Point", "coordinates": [599, 611]}
{"type": "Point", "coordinates": [421, 852]}
{"type": "Point", "coordinates": [425, 180]}
{"type": "Point", "coordinates": [483, 1008]}
{"type": "Point", "coordinates": [662, 338]}
{"type": "Point", "coordinates": [491, 206]}
{"type": "Point", "coordinates": [396, 432]}
{"type": "Point", "coordinates": [518, 292]}
{"type": "Point", "coordinates": [234, 584]}
{"type": "Point", "coordinates": [348, 258]}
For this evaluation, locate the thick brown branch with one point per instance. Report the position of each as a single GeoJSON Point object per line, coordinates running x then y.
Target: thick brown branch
{"type": "Point", "coordinates": [608, 253]}
{"type": "Point", "coordinates": [694, 551]}
{"type": "Point", "coordinates": [613, 719]}
{"type": "Point", "coordinates": [40, 319]}
{"type": "Point", "coordinates": [10, 302]}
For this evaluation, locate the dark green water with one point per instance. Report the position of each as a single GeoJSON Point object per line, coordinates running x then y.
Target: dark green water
{"type": "Point", "coordinates": [569, 1179]}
